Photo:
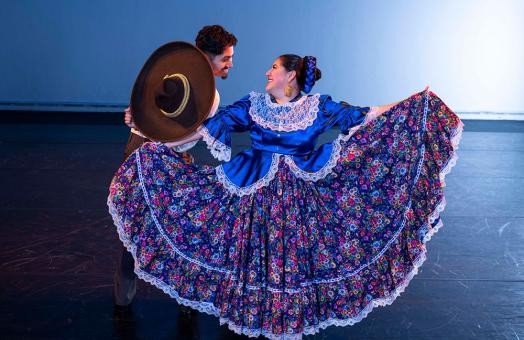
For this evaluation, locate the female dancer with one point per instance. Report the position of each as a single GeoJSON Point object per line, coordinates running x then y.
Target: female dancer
{"type": "Point", "coordinates": [285, 239]}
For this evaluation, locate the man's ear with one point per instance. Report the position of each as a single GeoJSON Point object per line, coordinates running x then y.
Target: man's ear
{"type": "Point", "coordinates": [209, 56]}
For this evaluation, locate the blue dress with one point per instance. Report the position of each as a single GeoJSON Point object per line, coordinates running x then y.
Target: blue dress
{"type": "Point", "coordinates": [286, 239]}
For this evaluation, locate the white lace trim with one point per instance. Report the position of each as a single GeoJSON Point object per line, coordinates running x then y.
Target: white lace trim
{"type": "Point", "coordinates": [250, 189]}
{"type": "Point", "coordinates": [286, 117]}
{"type": "Point", "coordinates": [219, 150]}
{"type": "Point", "coordinates": [455, 141]}
{"type": "Point", "coordinates": [328, 166]}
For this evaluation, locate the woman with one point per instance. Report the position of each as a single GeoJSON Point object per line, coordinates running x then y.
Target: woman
{"type": "Point", "coordinates": [285, 239]}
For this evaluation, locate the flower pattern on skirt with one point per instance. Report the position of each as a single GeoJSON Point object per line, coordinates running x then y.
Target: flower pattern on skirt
{"type": "Point", "coordinates": [295, 256]}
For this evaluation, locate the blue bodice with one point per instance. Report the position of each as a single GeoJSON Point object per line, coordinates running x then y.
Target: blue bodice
{"type": "Point", "coordinates": [290, 129]}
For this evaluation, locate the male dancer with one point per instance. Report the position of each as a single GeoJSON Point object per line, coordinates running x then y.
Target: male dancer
{"type": "Point", "coordinates": [218, 45]}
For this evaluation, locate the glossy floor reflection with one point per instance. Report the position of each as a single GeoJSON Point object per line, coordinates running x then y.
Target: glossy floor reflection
{"type": "Point", "coordinates": [58, 245]}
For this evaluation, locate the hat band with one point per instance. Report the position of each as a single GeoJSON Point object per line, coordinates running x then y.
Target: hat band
{"type": "Point", "coordinates": [185, 99]}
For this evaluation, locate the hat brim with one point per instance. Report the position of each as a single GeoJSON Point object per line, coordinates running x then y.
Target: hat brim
{"type": "Point", "coordinates": [174, 57]}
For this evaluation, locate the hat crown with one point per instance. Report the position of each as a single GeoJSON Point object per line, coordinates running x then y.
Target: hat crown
{"type": "Point", "coordinates": [172, 96]}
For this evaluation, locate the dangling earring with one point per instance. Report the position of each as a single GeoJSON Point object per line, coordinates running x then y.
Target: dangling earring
{"type": "Point", "coordinates": [288, 91]}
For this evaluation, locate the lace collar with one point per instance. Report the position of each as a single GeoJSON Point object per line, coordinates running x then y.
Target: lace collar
{"type": "Point", "coordinates": [291, 116]}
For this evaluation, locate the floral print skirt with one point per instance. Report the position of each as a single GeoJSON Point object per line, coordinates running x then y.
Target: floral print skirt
{"type": "Point", "coordinates": [297, 255]}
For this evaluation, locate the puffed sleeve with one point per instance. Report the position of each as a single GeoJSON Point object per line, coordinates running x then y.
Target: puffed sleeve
{"type": "Point", "coordinates": [216, 131]}
{"type": "Point", "coordinates": [341, 113]}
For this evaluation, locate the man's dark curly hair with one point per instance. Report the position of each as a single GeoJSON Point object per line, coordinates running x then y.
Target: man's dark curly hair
{"type": "Point", "coordinates": [214, 39]}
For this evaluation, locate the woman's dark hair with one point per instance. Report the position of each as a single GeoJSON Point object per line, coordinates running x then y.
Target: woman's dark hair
{"type": "Point", "coordinates": [306, 69]}
{"type": "Point", "coordinates": [214, 39]}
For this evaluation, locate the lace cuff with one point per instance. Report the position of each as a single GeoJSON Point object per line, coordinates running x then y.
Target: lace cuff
{"type": "Point", "coordinates": [219, 150]}
{"type": "Point", "coordinates": [138, 133]}
{"type": "Point", "coordinates": [374, 112]}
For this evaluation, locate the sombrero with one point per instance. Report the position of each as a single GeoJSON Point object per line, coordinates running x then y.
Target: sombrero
{"type": "Point", "coordinates": [173, 92]}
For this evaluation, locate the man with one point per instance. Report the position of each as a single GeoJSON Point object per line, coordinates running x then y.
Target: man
{"type": "Point", "coordinates": [218, 45]}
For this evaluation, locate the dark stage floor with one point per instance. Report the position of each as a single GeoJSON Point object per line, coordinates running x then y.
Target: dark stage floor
{"type": "Point", "coordinates": [58, 249]}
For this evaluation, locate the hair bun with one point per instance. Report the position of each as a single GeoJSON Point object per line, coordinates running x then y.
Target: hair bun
{"type": "Point", "coordinates": [311, 72]}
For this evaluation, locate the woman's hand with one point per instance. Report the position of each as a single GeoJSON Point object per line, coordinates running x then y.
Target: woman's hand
{"type": "Point", "coordinates": [376, 111]}
{"type": "Point", "coordinates": [425, 89]}
{"type": "Point", "coordinates": [128, 118]}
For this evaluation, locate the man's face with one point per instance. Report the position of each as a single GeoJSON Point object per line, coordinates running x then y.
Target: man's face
{"type": "Point", "coordinates": [221, 63]}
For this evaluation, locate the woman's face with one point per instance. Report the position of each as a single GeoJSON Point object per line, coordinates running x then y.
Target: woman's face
{"type": "Point", "coordinates": [277, 77]}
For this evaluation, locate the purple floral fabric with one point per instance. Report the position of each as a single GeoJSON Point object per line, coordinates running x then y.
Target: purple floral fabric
{"type": "Point", "coordinates": [295, 256]}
